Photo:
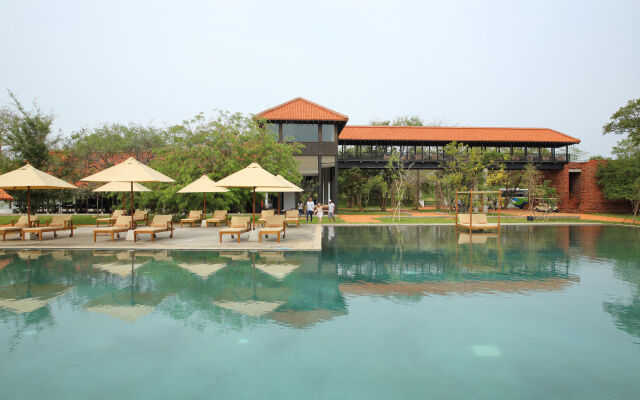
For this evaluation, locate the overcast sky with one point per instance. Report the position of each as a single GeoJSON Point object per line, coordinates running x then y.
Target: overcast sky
{"type": "Point", "coordinates": [565, 65]}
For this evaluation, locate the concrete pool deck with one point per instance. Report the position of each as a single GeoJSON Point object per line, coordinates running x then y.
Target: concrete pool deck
{"type": "Point", "coordinates": [304, 237]}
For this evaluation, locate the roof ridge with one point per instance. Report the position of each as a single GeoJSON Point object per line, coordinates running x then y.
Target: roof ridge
{"type": "Point", "coordinates": [305, 100]}
{"type": "Point", "coordinates": [451, 127]}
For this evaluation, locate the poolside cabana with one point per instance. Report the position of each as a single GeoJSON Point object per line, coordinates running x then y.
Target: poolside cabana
{"type": "Point", "coordinates": [466, 220]}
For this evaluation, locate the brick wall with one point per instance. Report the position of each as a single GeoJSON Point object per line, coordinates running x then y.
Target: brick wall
{"type": "Point", "coordinates": [587, 196]}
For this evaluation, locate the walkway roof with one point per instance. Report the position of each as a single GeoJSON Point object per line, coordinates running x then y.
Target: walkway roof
{"type": "Point", "coordinates": [458, 134]}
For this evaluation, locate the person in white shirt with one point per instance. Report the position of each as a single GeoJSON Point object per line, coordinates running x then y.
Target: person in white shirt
{"type": "Point", "coordinates": [310, 207]}
{"type": "Point", "coordinates": [332, 208]}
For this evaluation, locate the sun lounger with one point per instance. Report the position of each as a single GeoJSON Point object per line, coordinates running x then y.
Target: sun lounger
{"type": "Point", "coordinates": [219, 216]}
{"type": "Point", "coordinates": [160, 223]}
{"type": "Point", "coordinates": [292, 216]}
{"type": "Point", "coordinates": [477, 221]}
{"type": "Point", "coordinates": [264, 215]}
{"type": "Point", "coordinates": [237, 226]}
{"type": "Point", "coordinates": [140, 216]}
{"type": "Point", "coordinates": [58, 223]}
{"type": "Point", "coordinates": [193, 218]}
{"type": "Point", "coordinates": [16, 227]}
{"type": "Point", "coordinates": [122, 224]}
{"type": "Point", "coordinates": [110, 220]}
{"type": "Point", "coordinates": [274, 226]}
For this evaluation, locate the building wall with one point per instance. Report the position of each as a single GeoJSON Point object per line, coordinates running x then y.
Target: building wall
{"type": "Point", "coordinates": [586, 195]}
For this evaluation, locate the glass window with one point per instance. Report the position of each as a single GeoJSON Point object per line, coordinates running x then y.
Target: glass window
{"type": "Point", "coordinates": [274, 128]}
{"type": "Point", "coordinates": [328, 132]}
{"type": "Point", "coordinates": [300, 132]}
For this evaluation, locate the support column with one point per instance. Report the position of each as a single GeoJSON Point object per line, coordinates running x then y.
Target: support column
{"type": "Point", "coordinates": [334, 184]}
{"type": "Point", "coordinates": [320, 181]}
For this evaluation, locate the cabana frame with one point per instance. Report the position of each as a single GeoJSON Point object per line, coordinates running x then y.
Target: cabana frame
{"type": "Point", "coordinates": [471, 193]}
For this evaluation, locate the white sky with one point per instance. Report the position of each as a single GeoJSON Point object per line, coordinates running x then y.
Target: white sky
{"type": "Point", "coordinates": [565, 65]}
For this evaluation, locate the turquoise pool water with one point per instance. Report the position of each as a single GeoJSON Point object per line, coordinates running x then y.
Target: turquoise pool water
{"type": "Point", "coordinates": [381, 313]}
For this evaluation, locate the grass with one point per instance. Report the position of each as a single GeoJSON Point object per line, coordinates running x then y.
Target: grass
{"type": "Point", "coordinates": [77, 219]}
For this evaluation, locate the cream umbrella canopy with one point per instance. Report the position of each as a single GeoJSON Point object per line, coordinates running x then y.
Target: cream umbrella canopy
{"type": "Point", "coordinates": [27, 178]}
{"type": "Point", "coordinates": [292, 188]}
{"type": "Point", "coordinates": [121, 187]}
{"type": "Point", "coordinates": [130, 171]}
{"type": "Point", "coordinates": [253, 176]}
{"type": "Point", "coordinates": [203, 185]}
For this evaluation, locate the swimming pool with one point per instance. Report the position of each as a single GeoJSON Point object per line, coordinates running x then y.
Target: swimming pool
{"type": "Point", "coordinates": [380, 313]}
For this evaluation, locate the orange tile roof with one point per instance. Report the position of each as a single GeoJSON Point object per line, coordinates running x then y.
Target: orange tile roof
{"type": "Point", "coordinates": [300, 109]}
{"type": "Point", "coordinates": [4, 196]}
{"type": "Point", "coordinates": [449, 134]}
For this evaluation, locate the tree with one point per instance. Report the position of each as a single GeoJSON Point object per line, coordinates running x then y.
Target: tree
{"type": "Point", "coordinates": [217, 147]}
{"type": "Point", "coordinates": [626, 121]}
{"type": "Point", "coordinates": [465, 169]}
{"type": "Point", "coordinates": [27, 133]}
{"type": "Point", "coordinates": [539, 189]}
{"type": "Point", "coordinates": [620, 180]}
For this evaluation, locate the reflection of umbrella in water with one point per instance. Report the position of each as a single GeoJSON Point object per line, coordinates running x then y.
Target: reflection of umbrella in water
{"type": "Point", "coordinates": [278, 271]}
{"type": "Point", "coordinates": [25, 298]}
{"type": "Point", "coordinates": [202, 270]}
{"type": "Point", "coordinates": [127, 306]}
{"type": "Point", "coordinates": [254, 301]}
{"type": "Point", "coordinates": [118, 268]}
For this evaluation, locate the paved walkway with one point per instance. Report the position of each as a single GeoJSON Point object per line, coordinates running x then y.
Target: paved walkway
{"type": "Point", "coordinates": [304, 237]}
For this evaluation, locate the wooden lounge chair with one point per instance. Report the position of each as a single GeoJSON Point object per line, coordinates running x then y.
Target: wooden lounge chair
{"type": "Point", "coordinates": [140, 216]}
{"type": "Point", "coordinates": [160, 223]}
{"type": "Point", "coordinates": [274, 226]}
{"type": "Point", "coordinates": [58, 223]}
{"type": "Point", "coordinates": [110, 220]}
{"type": "Point", "coordinates": [237, 226]}
{"type": "Point", "coordinates": [478, 221]}
{"type": "Point", "coordinates": [292, 216]}
{"type": "Point", "coordinates": [16, 227]}
{"type": "Point", "coordinates": [219, 216]}
{"type": "Point", "coordinates": [122, 224]}
{"type": "Point", "coordinates": [193, 218]}
{"type": "Point", "coordinates": [264, 215]}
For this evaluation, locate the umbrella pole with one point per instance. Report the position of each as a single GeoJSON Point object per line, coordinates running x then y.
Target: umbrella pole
{"type": "Point", "coordinates": [132, 226]}
{"type": "Point", "coordinates": [29, 206]}
{"type": "Point", "coordinates": [278, 203]}
{"type": "Point", "coordinates": [204, 198]}
{"type": "Point", "coordinates": [254, 208]}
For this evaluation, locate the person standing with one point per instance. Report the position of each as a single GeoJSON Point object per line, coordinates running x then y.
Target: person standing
{"type": "Point", "coordinates": [310, 207]}
{"type": "Point", "coordinates": [300, 209]}
{"type": "Point", "coordinates": [319, 212]}
{"type": "Point", "coordinates": [332, 208]}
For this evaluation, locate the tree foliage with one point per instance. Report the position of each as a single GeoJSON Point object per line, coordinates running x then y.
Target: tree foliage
{"type": "Point", "coordinates": [626, 121]}
{"type": "Point", "coordinates": [27, 133]}
{"type": "Point", "coordinates": [620, 180]}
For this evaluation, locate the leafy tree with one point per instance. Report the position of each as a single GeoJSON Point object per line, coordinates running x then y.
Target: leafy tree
{"type": "Point", "coordinates": [27, 133]}
{"type": "Point", "coordinates": [539, 189]}
{"type": "Point", "coordinates": [626, 121]}
{"type": "Point", "coordinates": [465, 169]}
{"type": "Point", "coordinates": [620, 180]}
{"type": "Point", "coordinates": [217, 147]}
{"type": "Point", "coordinates": [353, 182]}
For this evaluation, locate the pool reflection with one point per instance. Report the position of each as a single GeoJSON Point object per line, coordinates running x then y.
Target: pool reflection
{"type": "Point", "coordinates": [296, 289]}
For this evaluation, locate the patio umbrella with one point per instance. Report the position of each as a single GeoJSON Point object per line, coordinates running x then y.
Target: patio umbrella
{"type": "Point", "coordinates": [27, 178]}
{"type": "Point", "coordinates": [253, 176]}
{"type": "Point", "coordinates": [130, 171]}
{"type": "Point", "coordinates": [121, 187]}
{"type": "Point", "coordinates": [203, 185]}
{"type": "Point", "coordinates": [290, 189]}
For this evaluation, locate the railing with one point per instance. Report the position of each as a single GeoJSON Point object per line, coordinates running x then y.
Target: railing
{"type": "Point", "coordinates": [430, 158]}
